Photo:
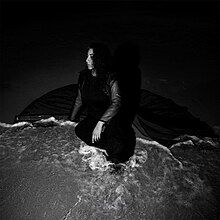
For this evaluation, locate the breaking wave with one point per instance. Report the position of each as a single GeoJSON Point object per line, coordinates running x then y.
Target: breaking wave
{"type": "Point", "coordinates": [156, 183]}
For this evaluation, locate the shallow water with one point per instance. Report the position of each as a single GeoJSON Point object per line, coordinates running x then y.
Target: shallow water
{"type": "Point", "coordinates": [48, 173]}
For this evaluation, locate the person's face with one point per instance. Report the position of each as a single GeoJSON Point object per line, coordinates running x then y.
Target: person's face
{"type": "Point", "coordinates": [89, 59]}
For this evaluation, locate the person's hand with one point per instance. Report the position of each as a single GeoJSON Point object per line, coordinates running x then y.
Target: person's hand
{"type": "Point", "coordinates": [96, 134]}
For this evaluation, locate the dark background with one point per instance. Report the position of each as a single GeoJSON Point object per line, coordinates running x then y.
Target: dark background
{"type": "Point", "coordinates": [43, 46]}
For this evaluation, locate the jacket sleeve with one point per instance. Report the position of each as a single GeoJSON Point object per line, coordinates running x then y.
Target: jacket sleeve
{"type": "Point", "coordinates": [78, 100]}
{"type": "Point", "coordinates": [115, 103]}
{"type": "Point", "coordinates": [77, 106]}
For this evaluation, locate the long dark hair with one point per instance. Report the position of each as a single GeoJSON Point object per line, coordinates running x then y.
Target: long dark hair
{"type": "Point", "coordinates": [102, 57]}
{"type": "Point", "coordinates": [103, 64]}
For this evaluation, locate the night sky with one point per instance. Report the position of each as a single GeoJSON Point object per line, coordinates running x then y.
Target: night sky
{"type": "Point", "coordinates": [44, 45]}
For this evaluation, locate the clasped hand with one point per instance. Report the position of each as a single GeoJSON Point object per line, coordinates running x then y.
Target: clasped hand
{"type": "Point", "coordinates": [96, 134]}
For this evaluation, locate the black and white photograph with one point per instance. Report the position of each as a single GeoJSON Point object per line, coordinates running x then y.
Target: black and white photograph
{"type": "Point", "coordinates": [109, 110]}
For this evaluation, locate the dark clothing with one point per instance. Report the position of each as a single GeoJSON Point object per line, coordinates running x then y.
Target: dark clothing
{"type": "Point", "coordinates": [103, 103]}
{"type": "Point", "coordinates": [94, 98]}
{"type": "Point", "coordinates": [99, 97]}
{"type": "Point", "coordinates": [118, 140]}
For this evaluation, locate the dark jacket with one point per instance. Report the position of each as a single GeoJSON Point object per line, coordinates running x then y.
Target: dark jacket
{"type": "Point", "coordinates": [111, 88]}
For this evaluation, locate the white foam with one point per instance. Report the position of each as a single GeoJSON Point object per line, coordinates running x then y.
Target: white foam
{"type": "Point", "coordinates": [19, 124]}
{"type": "Point", "coordinates": [162, 147]}
{"type": "Point", "coordinates": [194, 140]}
{"type": "Point", "coordinates": [60, 122]}
{"type": "Point", "coordinates": [63, 123]}
{"type": "Point", "coordinates": [189, 142]}
{"type": "Point", "coordinates": [94, 157]}
{"type": "Point", "coordinates": [51, 119]}
{"type": "Point", "coordinates": [144, 141]}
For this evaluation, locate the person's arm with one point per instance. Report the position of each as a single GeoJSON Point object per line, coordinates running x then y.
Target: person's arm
{"type": "Point", "coordinates": [77, 106]}
{"type": "Point", "coordinates": [78, 100]}
{"type": "Point", "coordinates": [115, 103]}
{"type": "Point", "coordinates": [109, 113]}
